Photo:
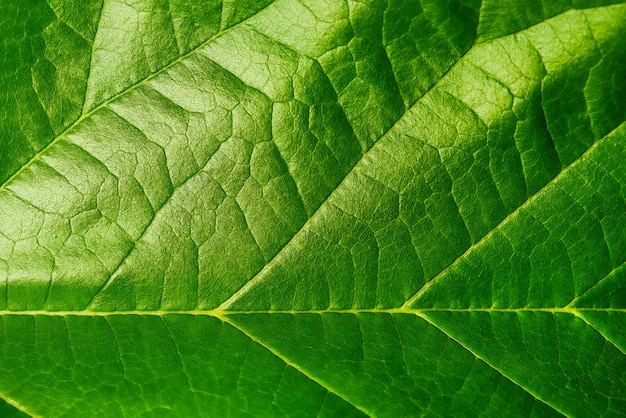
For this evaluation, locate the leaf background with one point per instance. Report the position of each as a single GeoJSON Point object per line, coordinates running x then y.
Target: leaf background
{"type": "Point", "coordinates": [309, 208]}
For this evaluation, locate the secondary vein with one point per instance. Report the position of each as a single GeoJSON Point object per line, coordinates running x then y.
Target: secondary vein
{"type": "Point", "coordinates": [128, 89]}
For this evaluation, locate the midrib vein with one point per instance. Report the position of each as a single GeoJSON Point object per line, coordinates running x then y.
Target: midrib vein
{"type": "Point", "coordinates": [222, 314]}
{"type": "Point", "coordinates": [128, 89]}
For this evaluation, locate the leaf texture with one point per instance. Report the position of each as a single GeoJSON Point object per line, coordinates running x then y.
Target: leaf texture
{"type": "Point", "coordinates": [308, 208]}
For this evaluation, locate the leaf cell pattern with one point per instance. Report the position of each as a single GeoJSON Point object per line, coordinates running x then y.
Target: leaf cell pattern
{"type": "Point", "coordinates": [310, 208]}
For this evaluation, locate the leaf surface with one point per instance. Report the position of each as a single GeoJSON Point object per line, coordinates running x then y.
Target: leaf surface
{"type": "Point", "coordinates": [301, 208]}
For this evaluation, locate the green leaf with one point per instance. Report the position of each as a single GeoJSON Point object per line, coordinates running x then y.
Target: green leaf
{"type": "Point", "coordinates": [309, 208]}
{"type": "Point", "coordinates": [9, 411]}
